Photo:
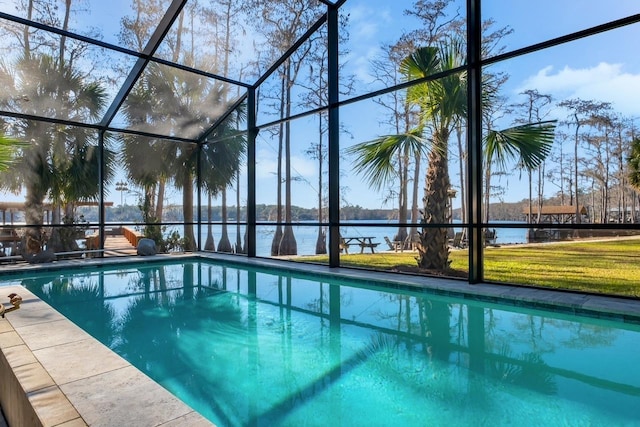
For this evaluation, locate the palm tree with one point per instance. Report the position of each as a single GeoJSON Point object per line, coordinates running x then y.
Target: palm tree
{"type": "Point", "coordinates": [60, 161]}
{"type": "Point", "coordinates": [145, 159]}
{"type": "Point", "coordinates": [442, 104]}
{"type": "Point", "coordinates": [375, 157]}
{"type": "Point", "coordinates": [221, 161]}
{"type": "Point", "coordinates": [179, 102]}
{"type": "Point", "coordinates": [634, 164]}
{"type": "Point", "coordinates": [210, 243]}
{"type": "Point", "coordinates": [161, 95]}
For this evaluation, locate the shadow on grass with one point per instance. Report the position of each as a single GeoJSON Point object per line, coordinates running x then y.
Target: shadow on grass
{"type": "Point", "coordinates": [609, 267]}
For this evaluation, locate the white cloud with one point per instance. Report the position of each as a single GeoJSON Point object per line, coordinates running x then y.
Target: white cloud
{"type": "Point", "coordinates": [365, 30]}
{"type": "Point", "coordinates": [360, 63]}
{"type": "Point", "coordinates": [304, 167]}
{"type": "Point", "coordinates": [364, 38]}
{"type": "Point", "coordinates": [362, 27]}
{"type": "Point", "coordinates": [603, 82]}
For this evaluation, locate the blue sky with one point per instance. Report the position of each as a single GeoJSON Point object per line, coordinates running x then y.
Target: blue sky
{"type": "Point", "coordinates": [602, 68]}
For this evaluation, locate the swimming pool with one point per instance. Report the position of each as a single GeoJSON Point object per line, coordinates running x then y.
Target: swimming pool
{"type": "Point", "coordinates": [248, 346]}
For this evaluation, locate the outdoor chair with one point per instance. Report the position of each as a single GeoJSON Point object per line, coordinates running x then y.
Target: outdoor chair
{"type": "Point", "coordinates": [458, 242]}
{"type": "Point", "coordinates": [490, 237]}
{"type": "Point", "coordinates": [344, 246]}
{"type": "Point", "coordinates": [393, 246]}
{"type": "Point", "coordinates": [411, 242]}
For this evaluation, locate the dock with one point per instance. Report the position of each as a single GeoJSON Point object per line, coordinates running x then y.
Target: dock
{"type": "Point", "coordinates": [118, 242]}
{"type": "Point", "coordinates": [118, 245]}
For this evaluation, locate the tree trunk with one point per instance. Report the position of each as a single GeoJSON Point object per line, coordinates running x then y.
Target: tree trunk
{"type": "Point", "coordinates": [575, 153]}
{"type": "Point", "coordinates": [35, 195]}
{"type": "Point", "coordinates": [187, 208]}
{"type": "Point", "coordinates": [415, 212]}
{"type": "Point", "coordinates": [160, 199]}
{"type": "Point", "coordinates": [63, 239]}
{"type": "Point", "coordinates": [433, 250]}
{"type": "Point", "coordinates": [462, 164]}
{"type": "Point", "coordinates": [321, 242]}
{"type": "Point", "coordinates": [530, 216]}
{"type": "Point", "coordinates": [25, 31]}
{"type": "Point", "coordinates": [224, 245]}
{"type": "Point", "coordinates": [487, 190]}
{"type": "Point", "coordinates": [239, 245]}
{"type": "Point", "coordinates": [403, 195]}
{"type": "Point", "coordinates": [210, 244]}
{"type": "Point", "coordinates": [288, 244]}
{"type": "Point", "coordinates": [63, 38]}
{"type": "Point", "coordinates": [541, 171]}
{"type": "Point", "coordinates": [34, 218]}
{"type": "Point", "coordinates": [277, 237]}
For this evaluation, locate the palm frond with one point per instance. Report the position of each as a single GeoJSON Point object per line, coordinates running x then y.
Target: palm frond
{"type": "Point", "coordinates": [528, 144]}
{"type": "Point", "coordinates": [8, 151]}
{"type": "Point", "coordinates": [634, 164]}
{"type": "Point", "coordinates": [421, 63]}
{"type": "Point", "coordinates": [452, 53]}
{"type": "Point", "coordinates": [375, 158]}
{"type": "Point", "coordinates": [442, 101]}
{"type": "Point", "coordinates": [221, 159]}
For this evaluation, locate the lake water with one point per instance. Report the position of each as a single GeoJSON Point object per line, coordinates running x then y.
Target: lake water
{"type": "Point", "coordinates": [306, 236]}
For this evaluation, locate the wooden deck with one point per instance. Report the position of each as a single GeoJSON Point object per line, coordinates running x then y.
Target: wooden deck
{"type": "Point", "coordinates": [118, 246]}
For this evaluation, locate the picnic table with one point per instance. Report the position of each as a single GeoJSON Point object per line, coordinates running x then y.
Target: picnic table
{"type": "Point", "coordinates": [363, 241]}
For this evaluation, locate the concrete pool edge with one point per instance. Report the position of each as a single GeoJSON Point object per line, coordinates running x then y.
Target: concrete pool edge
{"type": "Point", "coordinates": [55, 374]}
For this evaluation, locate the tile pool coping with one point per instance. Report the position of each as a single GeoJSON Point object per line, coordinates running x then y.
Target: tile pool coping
{"type": "Point", "coordinates": [55, 374]}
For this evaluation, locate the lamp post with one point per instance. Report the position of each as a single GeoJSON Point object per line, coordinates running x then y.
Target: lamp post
{"type": "Point", "coordinates": [122, 186]}
{"type": "Point", "coordinates": [451, 193]}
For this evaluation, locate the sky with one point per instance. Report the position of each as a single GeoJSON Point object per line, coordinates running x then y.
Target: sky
{"type": "Point", "coordinates": [600, 68]}
{"type": "Point", "coordinates": [603, 67]}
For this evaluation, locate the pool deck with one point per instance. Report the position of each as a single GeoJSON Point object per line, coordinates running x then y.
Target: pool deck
{"type": "Point", "coordinates": [55, 374]}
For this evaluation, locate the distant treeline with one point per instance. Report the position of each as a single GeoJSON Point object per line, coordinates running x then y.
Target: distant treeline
{"type": "Point", "coordinates": [503, 211]}
{"type": "Point", "coordinates": [173, 213]}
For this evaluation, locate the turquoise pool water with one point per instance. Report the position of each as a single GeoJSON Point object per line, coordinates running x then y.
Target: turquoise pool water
{"type": "Point", "coordinates": [250, 347]}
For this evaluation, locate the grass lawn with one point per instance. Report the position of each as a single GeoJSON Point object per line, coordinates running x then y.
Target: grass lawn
{"type": "Point", "coordinates": [609, 267]}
